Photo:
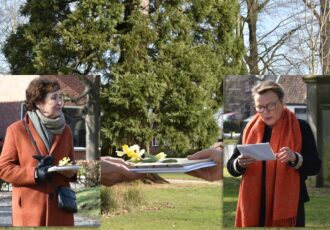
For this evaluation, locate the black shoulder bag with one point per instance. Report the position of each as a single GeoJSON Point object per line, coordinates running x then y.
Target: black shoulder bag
{"type": "Point", "coordinates": [66, 196]}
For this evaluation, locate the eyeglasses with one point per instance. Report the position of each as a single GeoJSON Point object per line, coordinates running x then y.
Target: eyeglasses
{"type": "Point", "coordinates": [270, 107]}
{"type": "Point", "coordinates": [55, 98]}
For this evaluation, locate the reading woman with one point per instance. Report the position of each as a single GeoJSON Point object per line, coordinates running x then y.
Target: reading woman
{"type": "Point", "coordinates": [273, 193]}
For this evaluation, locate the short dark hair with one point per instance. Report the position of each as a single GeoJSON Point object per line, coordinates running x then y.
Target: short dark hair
{"type": "Point", "coordinates": [266, 86]}
{"type": "Point", "coordinates": [37, 91]}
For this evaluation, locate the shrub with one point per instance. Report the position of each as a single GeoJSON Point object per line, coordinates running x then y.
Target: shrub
{"type": "Point", "coordinates": [232, 126]}
{"type": "Point", "coordinates": [121, 198]}
{"type": "Point", "coordinates": [89, 173]}
{"type": "Point", "coordinates": [108, 200]}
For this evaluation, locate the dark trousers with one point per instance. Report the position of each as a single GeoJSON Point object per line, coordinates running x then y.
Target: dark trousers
{"type": "Point", "coordinates": [301, 215]}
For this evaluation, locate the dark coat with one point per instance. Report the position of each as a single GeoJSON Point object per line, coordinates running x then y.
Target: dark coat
{"type": "Point", "coordinates": [34, 204]}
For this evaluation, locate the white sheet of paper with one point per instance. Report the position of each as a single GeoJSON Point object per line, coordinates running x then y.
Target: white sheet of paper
{"type": "Point", "coordinates": [261, 152]}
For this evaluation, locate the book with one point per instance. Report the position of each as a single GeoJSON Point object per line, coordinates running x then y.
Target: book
{"type": "Point", "coordinates": [181, 165]}
{"type": "Point", "coordinates": [64, 168]}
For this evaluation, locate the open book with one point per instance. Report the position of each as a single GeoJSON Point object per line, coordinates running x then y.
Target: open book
{"type": "Point", "coordinates": [182, 165]}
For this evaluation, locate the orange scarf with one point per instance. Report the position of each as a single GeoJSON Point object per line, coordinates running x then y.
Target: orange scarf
{"type": "Point", "coordinates": [282, 181]}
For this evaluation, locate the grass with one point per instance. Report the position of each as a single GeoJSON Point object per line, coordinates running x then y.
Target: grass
{"type": "Point", "coordinates": [121, 198]}
{"type": "Point", "coordinates": [172, 206]}
{"type": "Point", "coordinates": [316, 210]}
{"type": "Point", "coordinates": [89, 202]}
{"type": "Point", "coordinates": [181, 176]}
{"type": "Point", "coordinates": [230, 194]}
{"type": "Point", "coordinates": [230, 141]}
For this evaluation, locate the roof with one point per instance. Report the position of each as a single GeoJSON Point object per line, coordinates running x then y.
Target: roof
{"type": "Point", "coordinates": [295, 89]}
{"type": "Point", "coordinates": [12, 87]}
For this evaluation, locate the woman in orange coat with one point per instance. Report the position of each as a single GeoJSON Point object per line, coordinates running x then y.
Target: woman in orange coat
{"type": "Point", "coordinates": [34, 196]}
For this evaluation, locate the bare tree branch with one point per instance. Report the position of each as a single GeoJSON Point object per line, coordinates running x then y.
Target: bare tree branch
{"type": "Point", "coordinates": [262, 5]}
{"type": "Point", "coordinates": [313, 9]}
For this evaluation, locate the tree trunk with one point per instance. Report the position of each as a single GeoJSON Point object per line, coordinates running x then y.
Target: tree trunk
{"type": "Point", "coordinates": [92, 120]}
{"type": "Point", "coordinates": [252, 18]}
{"type": "Point", "coordinates": [325, 36]}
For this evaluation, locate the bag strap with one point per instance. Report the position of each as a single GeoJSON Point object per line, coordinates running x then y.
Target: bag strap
{"type": "Point", "coordinates": [31, 137]}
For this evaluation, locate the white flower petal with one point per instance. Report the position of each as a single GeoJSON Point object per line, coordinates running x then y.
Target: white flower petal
{"type": "Point", "coordinates": [141, 152]}
{"type": "Point", "coordinates": [135, 148]}
{"type": "Point", "coordinates": [120, 153]}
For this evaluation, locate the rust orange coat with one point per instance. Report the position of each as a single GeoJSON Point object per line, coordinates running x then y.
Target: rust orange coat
{"type": "Point", "coordinates": [34, 204]}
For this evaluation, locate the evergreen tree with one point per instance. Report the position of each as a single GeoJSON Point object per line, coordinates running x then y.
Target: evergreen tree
{"type": "Point", "coordinates": [162, 67]}
{"type": "Point", "coordinates": [166, 83]}
{"type": "Point", "coordinates": [67, 37]}
{"type": "Point", "coordinates": [64, 37]}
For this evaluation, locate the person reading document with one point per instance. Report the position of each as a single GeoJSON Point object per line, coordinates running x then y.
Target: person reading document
{"type": "Point", "coordinates": [272, 193]}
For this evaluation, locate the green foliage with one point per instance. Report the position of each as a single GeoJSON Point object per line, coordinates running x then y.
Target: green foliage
{"type": "Point", "coordinates": [64, 37]}
{"type": "Point", "coordinates": [166, 83]}
{"type": "Point", "coordinates": [232, 126]}
{"type": "Point", "coordinates": [162, 70]}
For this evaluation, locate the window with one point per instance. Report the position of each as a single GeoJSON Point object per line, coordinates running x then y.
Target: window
{"type": "Point", "coordinates": [154, 142]}
{"type": "Point", "coordinates": [74, 118]}
{"type": "Point", "coordinates": [301, 113]}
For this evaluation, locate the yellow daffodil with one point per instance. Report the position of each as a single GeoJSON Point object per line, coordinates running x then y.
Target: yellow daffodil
{"type": "Point", "coordinates": [135, 155]}
{"type": "Point", "coordinates": [133, 152]}
{"type": "Point", "coordinates": [65, 161]}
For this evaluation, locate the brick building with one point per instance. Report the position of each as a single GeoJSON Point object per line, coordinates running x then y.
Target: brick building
{"type": "Point", "coordinates": [237, 93]}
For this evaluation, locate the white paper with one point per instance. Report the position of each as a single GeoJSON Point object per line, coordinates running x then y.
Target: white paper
{"type": "Point", "coordinates": [183, 165]}
{"type": "Point", "coordinates": [261, 152]}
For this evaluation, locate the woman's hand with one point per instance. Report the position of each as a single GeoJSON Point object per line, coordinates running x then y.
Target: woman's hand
{"type": "Point", "coordinates": [115, 170]}
{"type": "Point", "coordinates": [211, 173]}
{"type": "Point", "coordinates": [286, 155]}
{"type": "Point", "coordinates": [245, 160]}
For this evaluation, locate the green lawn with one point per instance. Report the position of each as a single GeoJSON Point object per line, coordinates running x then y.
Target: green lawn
{"type": "Point", "coordinates": [88, 200]}
{"type": "Point", "coordinates": [181, 176]}
{"type": "Point", "coordinates": [174, 206]}
{"type": "Point", "coordinates": [317, 209]}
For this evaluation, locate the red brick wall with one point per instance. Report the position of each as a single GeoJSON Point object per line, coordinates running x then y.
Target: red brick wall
{"type": "Point", "coordinates": [9, 113]}
{"type": "Point", "coordinates": [79, 155]}
{"type": "Point", "coordinates": [70, 85]}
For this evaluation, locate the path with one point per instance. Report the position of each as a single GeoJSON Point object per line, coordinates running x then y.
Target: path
{"type": "Point", "coordinates": [5, 209]}
{"type": "Point", "coordinates": [5, 213]}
